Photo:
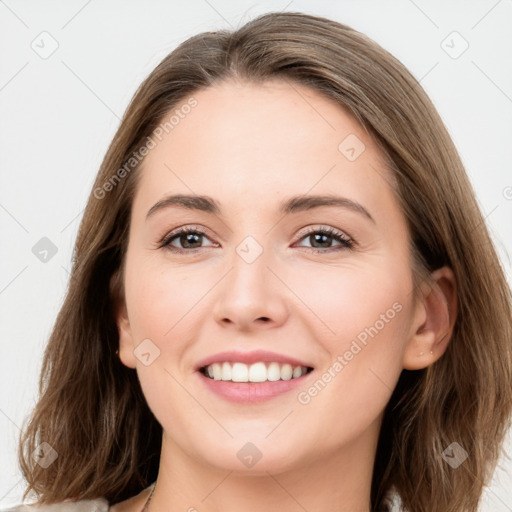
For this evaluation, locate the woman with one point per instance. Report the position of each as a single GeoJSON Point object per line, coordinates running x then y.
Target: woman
{"type": "Point", "coordinates": [284, 295]}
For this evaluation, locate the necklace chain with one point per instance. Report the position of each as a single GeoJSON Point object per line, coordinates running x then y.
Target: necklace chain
{"type": "Point", "coordinates": [148, 500]}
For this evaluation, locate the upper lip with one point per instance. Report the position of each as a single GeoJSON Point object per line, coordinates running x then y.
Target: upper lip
{"type": "Point", "coordinates": [254, 356]}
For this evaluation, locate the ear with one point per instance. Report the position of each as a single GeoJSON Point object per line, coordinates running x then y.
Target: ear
{"type": "Point", "coordinates": [126, 345]}
{"type": "Point", "coordinates": [433, 320]}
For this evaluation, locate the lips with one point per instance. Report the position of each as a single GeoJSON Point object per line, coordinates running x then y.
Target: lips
{"type": "Point", "coordinates": [254, 356]}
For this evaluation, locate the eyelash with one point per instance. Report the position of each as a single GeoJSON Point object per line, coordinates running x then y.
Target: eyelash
{"type": "Point", "coordinates": [346, 242]}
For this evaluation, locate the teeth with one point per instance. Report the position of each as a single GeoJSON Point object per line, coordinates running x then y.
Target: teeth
{"type": "Point", "coordinates": [256, 372]}
{"type": "Point", "coordinates": [226, 371]}
{"type": "Point", "coordinates": [273, 372]}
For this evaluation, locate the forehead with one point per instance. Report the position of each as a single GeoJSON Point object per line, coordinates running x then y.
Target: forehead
{"type": "Point", "coordinates": [259, 141]}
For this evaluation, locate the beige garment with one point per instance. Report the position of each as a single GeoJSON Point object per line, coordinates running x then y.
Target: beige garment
{"type": "Point", "coordinates": [97, 505]}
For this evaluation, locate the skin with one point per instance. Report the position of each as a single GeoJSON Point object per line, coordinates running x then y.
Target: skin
{"type": "Point", "coordinates": [251, 146]}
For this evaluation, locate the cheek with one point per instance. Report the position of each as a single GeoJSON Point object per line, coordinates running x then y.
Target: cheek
{"type": "Point", "coordinates": [356, 303]}
{"type": "Point", "coordinates": [368, 309]}
{"type": "Point", "coordinates": [161, 303]}
{"type": "Point", "coordinates": [160, 298]}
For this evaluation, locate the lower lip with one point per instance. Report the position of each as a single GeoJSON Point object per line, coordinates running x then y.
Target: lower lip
{"type": "Point", "coordinates": [252, 392]}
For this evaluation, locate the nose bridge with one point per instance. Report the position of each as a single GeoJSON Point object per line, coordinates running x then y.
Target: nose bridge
{"type": "Point", "coordinates": [249, 263]}
{"type": "Point", "coordinates": [250, 292]}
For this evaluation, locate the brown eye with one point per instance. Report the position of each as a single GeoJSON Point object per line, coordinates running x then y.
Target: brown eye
{"type": "Point", "coordinates": [321, 239]}
{"type": "Point", "coordinates": [189, 239]}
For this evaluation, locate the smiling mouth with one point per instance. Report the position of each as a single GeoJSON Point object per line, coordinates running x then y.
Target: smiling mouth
{"type": "Point", "coordinates": [254, 373]}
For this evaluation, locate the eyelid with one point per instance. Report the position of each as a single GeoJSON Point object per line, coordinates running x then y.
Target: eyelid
{"type": "Point", "coordinates": [344, 239]}
{"type": "Point", "coordinates": [329, 229]}
{"type": "Point", "coordinates": [179, 230]}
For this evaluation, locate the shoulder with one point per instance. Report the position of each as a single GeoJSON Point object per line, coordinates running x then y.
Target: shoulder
{"type": "Point", "coordinates": [97, 505]}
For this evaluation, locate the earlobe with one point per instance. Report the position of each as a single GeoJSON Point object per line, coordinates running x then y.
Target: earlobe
{"type": "Point", "coordinates": [434, 321]}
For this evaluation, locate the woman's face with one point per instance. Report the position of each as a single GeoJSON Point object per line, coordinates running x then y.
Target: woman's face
{"type": "Point", "coordinates": [277, 269]}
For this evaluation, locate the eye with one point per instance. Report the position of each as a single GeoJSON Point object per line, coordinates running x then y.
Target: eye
{"type": "Point", "coordinates": [324, 236]}
{"type": "Point", "coordinates": [189, 238]}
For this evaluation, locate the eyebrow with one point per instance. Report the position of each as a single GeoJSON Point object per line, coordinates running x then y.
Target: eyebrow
{"type": "Point", "coordinates": [292, 205]}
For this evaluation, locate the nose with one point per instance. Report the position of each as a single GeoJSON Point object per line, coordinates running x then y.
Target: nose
{"type": "Point", "coordinates": [250, 296]}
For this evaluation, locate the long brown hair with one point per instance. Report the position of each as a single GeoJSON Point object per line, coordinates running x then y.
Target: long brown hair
{"type": "Point", "coordinates": [91, 409]}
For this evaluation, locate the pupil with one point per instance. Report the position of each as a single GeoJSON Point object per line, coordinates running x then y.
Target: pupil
{"type": "Point", "coordinates": [188, 236]}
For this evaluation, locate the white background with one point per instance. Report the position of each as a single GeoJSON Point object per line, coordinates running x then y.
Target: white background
{"type": "Point", "coordinates": [59, 114]}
